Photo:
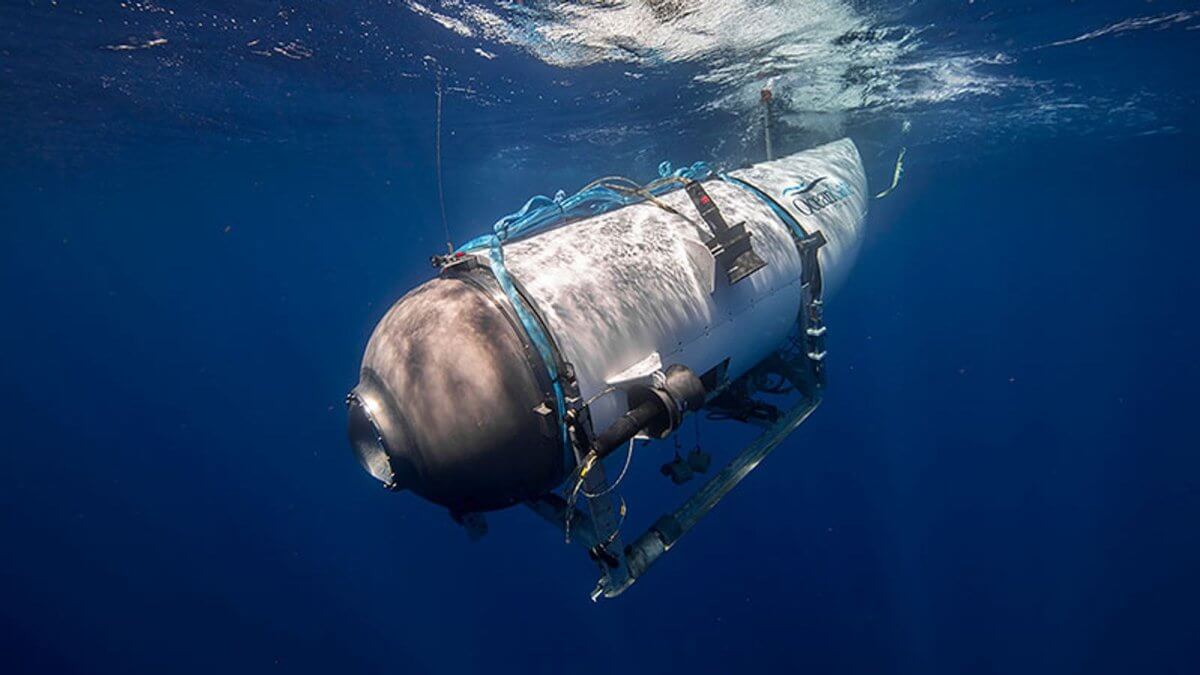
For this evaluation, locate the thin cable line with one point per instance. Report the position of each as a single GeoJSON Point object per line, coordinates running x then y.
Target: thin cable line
{"type": "Point", "coordinates": [438, 162]}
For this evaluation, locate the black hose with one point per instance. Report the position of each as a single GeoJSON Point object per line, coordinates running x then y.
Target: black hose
{"type": "Point", "coordinates": [627, 426]}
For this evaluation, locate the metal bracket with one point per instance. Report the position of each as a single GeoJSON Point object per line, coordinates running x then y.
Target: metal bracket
{"type": "Point", "coordinates": [730, 246]}
{"type": "Point", "coordinates": [457, 259]}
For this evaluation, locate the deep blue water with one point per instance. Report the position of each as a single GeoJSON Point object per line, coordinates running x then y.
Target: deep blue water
{"type": "Point", "coordinates": [198, 235]}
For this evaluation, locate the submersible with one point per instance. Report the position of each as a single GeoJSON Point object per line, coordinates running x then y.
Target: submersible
{"type": "Point", "coordinates": [582, 323]}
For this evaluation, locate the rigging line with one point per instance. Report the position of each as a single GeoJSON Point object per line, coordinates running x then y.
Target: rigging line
{"type": "Point", "coordinates": [603, 392]}
{"type": "Point", "coordinates": [624, 470]}
{"type": "Point", "coordinates": [650, 197]}
{"type": "Point", "coordinates": [573, 495]}
{"type": "Point", "coordinates": [438, 160]}
{"type": "Point", "coordinates": [601, 181]}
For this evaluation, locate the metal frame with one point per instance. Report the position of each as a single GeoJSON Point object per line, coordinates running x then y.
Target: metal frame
{"type": "Point", "coordinates": [636, 559]}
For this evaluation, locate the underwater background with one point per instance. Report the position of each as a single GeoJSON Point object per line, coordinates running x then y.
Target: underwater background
{"type": "Point", "coordinates": [205, 208]}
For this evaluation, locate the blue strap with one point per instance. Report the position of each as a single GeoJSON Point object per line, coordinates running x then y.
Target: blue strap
{"type": "Point", "coordinates": [541, 211]}
{"type": "Point", "coordinates": [533, 328]}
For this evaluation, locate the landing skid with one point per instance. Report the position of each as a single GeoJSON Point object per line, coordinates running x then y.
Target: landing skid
{"type": "Point", "coordinates": [635, 559]}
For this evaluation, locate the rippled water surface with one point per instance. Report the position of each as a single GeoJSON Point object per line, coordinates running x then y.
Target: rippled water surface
{"type": "Point", "coordinates": [617, 75]}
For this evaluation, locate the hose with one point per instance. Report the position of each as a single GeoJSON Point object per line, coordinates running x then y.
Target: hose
{"type": "Point", "coordinates": [626, 427]}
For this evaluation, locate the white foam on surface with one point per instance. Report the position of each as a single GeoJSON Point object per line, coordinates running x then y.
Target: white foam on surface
{"type": "Point", "coordinates": [823, 55]}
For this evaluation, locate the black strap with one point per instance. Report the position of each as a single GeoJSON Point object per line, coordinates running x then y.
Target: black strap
{"type": "Point", "coordinates": [729, 245]}
{"type": "Point", "coordinates": [707, 208]}
{"type": "Point", "coordinates": [810, 267]}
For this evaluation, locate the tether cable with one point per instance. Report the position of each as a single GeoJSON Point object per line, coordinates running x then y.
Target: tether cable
{"type": "Point", "coordinates": [438, 160]}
